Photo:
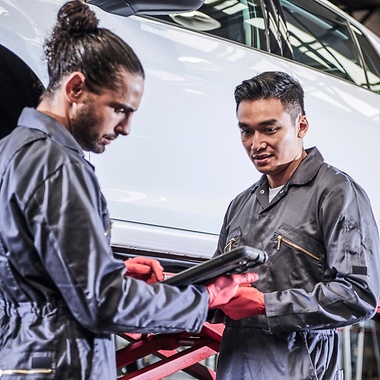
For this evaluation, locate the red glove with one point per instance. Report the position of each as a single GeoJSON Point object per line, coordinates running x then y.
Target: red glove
{"type": "Point", "coordinates": [246, 303]}
{"type": "Point", "coordinates": [143, 268]}
{"type": "Point", "coordinates": [222, 289]}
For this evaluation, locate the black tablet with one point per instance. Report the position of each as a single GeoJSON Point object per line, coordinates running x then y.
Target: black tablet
{"type": "Point", "coordinates": [239, 260]}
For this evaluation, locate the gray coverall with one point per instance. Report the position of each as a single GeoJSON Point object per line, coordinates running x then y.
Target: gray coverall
{"type": "Point", "coordinates": [62, 293]}
{"type": "Point", "coordinates": [323, 272]}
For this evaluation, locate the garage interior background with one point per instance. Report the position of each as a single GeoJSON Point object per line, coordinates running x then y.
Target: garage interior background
{"type": "Point", "coordinates": [365, 11]}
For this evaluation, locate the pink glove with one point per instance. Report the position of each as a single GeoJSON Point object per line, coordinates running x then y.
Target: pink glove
{"type": "Point", "coordinates": [246, 303]}
{"type": "Point", "coordinates": [143, 268]}
{"type": "Point", "coordinates": [222, 289]}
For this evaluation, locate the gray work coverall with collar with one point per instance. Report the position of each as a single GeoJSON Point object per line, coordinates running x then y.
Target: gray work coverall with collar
{"type": "Point", "coordinates": [323, 272]}
{"type": "Point", "coordinates": [62, 293]}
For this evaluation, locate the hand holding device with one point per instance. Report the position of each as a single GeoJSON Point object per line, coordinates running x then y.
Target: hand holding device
{"type": "Point", "coordinates": [246, 303]}
{"type": "Point", "coordinates": [143, 268]}
{"type": "Point", "coordinates": [239, 260]}
{"type": "Point", "coordinates": [223, 289]}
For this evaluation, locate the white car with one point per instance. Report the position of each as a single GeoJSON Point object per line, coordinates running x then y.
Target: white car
{"type": "Point", "coordinates": [169, 183]}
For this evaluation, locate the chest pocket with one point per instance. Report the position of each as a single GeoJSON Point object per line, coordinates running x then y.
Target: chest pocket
{"type": "Point", "coordinates": [301, 256]}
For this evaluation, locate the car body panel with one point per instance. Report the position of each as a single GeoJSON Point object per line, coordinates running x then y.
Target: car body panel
{"type": "Point", "coordinates": [169, 183]}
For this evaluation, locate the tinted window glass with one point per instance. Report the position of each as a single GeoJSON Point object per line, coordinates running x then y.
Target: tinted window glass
{"type": "Point", "coordinates": [238, 21]}
{"type": "Point", "coordinates": [277, 32]}
{"type": "Point", "coordinates": [371, 59]}
{"type": "Point", "coordinates": [321, 39]}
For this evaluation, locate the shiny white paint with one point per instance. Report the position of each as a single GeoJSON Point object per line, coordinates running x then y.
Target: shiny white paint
{"type": "Point", "coordinates": [168, 184]}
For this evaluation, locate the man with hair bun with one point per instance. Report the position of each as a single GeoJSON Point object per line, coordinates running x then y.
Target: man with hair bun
{"type": "Point", "coordinates": [62, 293]}
{"type": "Point", "coordinates": [317, 226]}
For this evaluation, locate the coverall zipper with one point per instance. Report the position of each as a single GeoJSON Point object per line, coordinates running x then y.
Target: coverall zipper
{"type": "Point", "coordinates": [289, 243]}
{"type": "Point", "coordinates": [228, 246]}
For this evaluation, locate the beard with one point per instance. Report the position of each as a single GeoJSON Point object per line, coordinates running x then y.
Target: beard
{"type": "Point", "coordinates": [84, 127]}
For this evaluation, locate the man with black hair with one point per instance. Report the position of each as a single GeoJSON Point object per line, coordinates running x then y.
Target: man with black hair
{"type": "Point", "coordinates": [317, 226]}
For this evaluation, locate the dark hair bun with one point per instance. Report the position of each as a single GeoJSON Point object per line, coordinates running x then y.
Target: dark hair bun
{"type": "Point", "coordinates": [78, 43]}
{"type": "Point", "coordinates": [75, 17]}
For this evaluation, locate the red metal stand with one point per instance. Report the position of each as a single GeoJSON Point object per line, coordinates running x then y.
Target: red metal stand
{"type": "Point", "coordinates": [176, 352]}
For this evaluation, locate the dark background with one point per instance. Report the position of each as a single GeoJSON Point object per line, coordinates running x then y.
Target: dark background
{"type": "Point", "coordinates": [365, 11]}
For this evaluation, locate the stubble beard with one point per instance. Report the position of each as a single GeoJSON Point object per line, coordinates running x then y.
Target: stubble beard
{"type": "Point", "coordinates": [84, 129]}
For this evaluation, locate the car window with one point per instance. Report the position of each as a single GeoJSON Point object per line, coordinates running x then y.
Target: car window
{"type": "Point", "coordinates": [322, 39]}
{"type": "Point", "coordinates": [238, 21]}
{"type": "Point", "coordinates": [278, 37]}
{"type": "Point", "coordinates": [305, 31]}
{"type": "Point", "coordinates": [371, 60]}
